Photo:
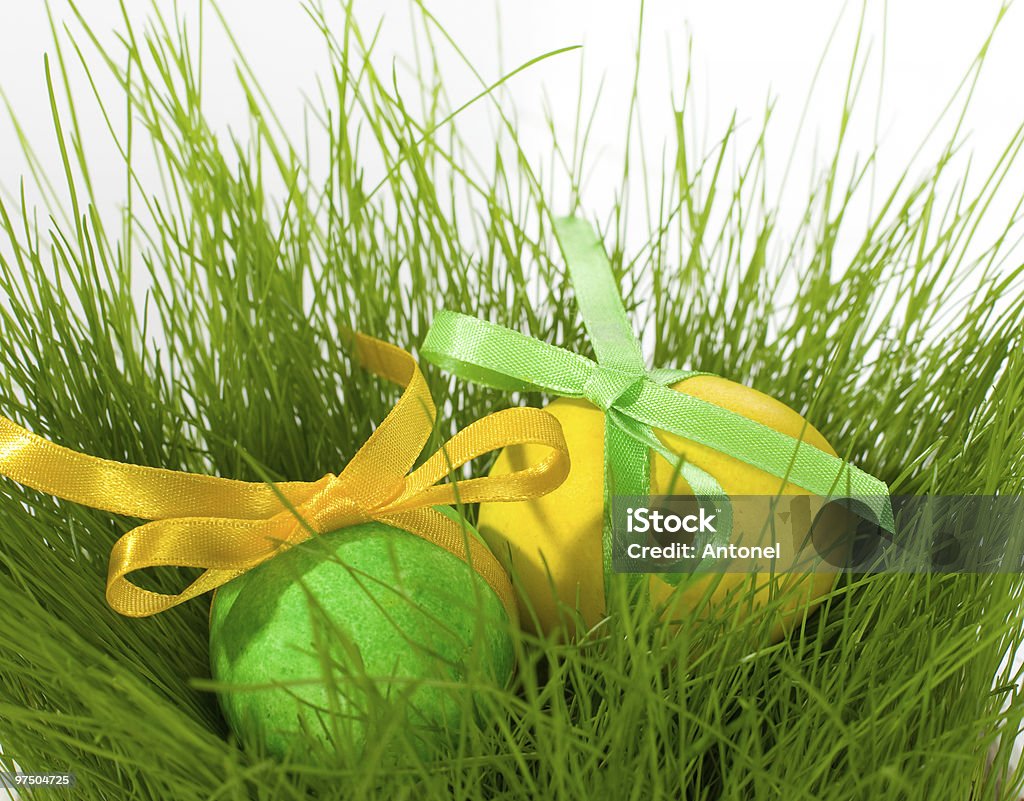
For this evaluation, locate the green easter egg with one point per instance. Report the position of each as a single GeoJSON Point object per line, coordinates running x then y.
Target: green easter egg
{"type": "Point", "coordinates": [355, 634]}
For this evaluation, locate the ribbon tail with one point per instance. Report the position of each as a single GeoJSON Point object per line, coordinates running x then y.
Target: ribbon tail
{"type": "Point", "coordinates": [149, 493]}
{"type": "Point", "coordinates": [756, 444]}
{"type": "Point", "coordinates": [627, 467]}
{"type": "Point", "coordinates": [704, 487]}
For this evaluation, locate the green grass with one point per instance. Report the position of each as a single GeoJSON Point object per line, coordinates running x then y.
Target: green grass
{"type": "Point", "coordinates": [253, 258]}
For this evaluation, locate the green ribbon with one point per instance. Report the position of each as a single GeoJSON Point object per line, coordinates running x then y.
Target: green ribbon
{"type": "Point", "coordinates": [636, 400]}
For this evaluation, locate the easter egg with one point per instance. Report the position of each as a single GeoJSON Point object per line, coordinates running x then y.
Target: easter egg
{"type": "Point", "coordinates": [552, 544]}
{"type": "Point", "coordinates": [366, 630]}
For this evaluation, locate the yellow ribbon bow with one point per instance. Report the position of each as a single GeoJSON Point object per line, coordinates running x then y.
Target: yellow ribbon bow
{"type": "Point", "coordinates": [228, 527]}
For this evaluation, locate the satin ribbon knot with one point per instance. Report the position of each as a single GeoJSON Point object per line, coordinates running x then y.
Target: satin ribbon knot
{"type": "Point", "coordinates": [227, 527]}
{"type": "Point", "coordinates": [331, 509]}
{"type": "Point", "coordinates": [607, 386]}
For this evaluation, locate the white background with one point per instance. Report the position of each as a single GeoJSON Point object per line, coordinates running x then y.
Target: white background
{"type": "Point", "coordinates": [743, 53]}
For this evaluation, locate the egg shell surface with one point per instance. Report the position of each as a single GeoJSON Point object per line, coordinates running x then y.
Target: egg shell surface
{"type": "Point", "coordinates": [341, 635]}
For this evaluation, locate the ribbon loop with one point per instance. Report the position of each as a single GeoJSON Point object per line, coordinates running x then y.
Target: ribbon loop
{"type": "Point", "coordinates": [522, 425]}
{"type": "Point", "coordinates": [597, 296]}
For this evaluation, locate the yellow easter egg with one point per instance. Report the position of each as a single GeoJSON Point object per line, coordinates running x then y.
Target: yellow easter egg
{"type": "Point", "coordinates": [552, 544]}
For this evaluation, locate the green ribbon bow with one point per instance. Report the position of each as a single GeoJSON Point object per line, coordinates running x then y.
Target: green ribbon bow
{"type": "Point", "coordinates": [636, 400]}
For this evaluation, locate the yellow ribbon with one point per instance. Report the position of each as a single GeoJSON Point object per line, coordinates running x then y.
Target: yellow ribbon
{"type": "Point", "coordinates": [228, 527]}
